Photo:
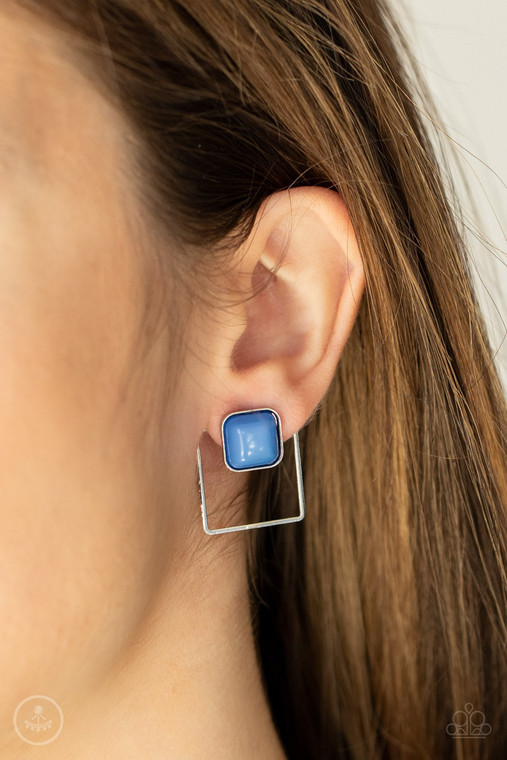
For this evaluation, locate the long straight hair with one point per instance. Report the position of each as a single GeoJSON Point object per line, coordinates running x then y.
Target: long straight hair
{"type": "Point", "coordinates": [381, 620]}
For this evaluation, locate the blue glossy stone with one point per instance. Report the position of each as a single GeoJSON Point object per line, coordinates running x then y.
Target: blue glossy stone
{"type": "Point", "coordinates": [252, 439]}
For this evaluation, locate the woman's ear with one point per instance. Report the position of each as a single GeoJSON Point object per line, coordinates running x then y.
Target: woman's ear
{"type": "Point", "coordinates": [282, 348]}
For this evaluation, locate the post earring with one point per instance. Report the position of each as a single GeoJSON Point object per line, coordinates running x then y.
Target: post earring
{"type": "Point", "coordinates": [253, 440]}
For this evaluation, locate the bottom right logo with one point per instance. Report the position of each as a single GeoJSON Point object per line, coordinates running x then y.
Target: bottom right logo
{"type": "Point", "coordinates": [468, 724]}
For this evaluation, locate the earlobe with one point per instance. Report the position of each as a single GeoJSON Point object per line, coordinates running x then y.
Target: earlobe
{"type": "Point", "coordinates": [290, 335]}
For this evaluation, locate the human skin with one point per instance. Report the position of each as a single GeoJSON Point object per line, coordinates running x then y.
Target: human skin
{"type": "Point", "coordinates": [111, 602]}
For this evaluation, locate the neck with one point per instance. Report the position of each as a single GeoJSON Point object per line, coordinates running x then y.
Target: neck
{"type": "Point", "coordinates": [189, 685]}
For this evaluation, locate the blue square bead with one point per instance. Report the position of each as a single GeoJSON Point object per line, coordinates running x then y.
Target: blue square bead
{"type": "Point", "coordinates": [252, 440]}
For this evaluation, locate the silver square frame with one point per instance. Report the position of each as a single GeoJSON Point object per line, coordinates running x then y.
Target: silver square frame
{"type": "Point", "coordinates": [264, 523]}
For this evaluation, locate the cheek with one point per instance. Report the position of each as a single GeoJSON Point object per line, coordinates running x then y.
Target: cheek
{"type": "Point", "coordinates": [74, 551]}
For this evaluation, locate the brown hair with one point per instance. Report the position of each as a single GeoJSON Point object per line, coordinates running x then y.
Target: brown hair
{"type": "Point", "coordinates": [385, 611]}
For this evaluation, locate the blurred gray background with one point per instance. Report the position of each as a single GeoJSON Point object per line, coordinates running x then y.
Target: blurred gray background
{"type": "Point", "coordinates": [461, 48]}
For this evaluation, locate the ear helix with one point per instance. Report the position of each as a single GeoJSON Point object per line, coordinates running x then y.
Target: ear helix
{"type": "Point", "coordinates": [253, 440]}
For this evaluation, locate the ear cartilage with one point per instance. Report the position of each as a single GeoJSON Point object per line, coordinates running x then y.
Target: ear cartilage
{"type": "Point", "coordinates": [253, 440]}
